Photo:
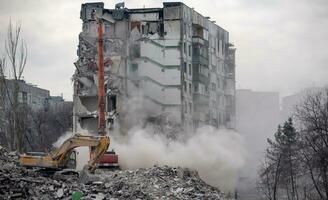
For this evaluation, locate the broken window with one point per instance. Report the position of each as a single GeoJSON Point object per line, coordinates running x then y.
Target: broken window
{"type": "Point", "coordinates": [189, 50]}
{"type": "Point", "coordinates": [184, 48]}
{"type": "Point", "coordinates": [136, 25]}
{"type": "Point", "coordinates": [185, 67]}
{"type": "Point", "coordinates": [111, 106]}
{"type": "Point", "coordinates": [185, 86]}
{"type": "Point", "coordinates": [24, 97]}
{"type": "Point", "coordinates": [152, 28]}
{"type": "Point", "coordinates": [190, 69]}
{"type": "Point", "coordinates": [198, 31]}
{"type": "Point", "coordinates": [161, 29]}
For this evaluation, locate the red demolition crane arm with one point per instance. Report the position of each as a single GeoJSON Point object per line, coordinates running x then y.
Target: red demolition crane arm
{"type": "Point", "coordinates": [101, 81]}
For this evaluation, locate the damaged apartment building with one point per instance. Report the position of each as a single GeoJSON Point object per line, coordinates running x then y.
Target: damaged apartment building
{"type": "Point", "coordinates": [179, 62]}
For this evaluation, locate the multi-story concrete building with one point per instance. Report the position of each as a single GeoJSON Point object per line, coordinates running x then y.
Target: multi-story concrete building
{"type": "Point", "coordinates": [31, 95]}
{"type": "Point", "coordinates": [179, 62]}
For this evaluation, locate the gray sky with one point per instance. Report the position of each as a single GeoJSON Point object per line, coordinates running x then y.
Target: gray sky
{"type": "Point", "coordinates": [282, 45]}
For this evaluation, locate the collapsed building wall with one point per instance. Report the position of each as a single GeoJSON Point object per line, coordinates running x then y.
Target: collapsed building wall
{"type": "Point", "coordinates": [168, 63]}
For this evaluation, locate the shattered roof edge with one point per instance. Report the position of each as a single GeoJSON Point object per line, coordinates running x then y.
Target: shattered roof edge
{"type": "Point", "coordinates": [138, 10]}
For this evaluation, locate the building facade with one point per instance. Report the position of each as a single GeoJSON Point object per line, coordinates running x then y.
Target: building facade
{"type": "Point", "coordinates": [34, 97]}
{"type": "Point", "coordinates": [180, 63]}
{"type": "Point", "coordinates": [31, 95]}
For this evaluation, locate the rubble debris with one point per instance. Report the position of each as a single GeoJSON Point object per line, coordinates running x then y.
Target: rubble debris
{"type": "Point", "coordinates": [20, 183]}
{"type": "Point", "coordinates": [151, 183]}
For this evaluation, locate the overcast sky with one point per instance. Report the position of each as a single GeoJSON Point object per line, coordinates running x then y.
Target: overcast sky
{"type": "Point", "coordinates": [282, 45]}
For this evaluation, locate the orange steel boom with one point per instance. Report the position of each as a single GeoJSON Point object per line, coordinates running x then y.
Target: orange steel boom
{"type": "Point", "coordinates": [101, 81]}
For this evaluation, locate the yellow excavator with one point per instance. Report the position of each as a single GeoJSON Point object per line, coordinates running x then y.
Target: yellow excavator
{"type": "Point", "coordinates": [61, 157]}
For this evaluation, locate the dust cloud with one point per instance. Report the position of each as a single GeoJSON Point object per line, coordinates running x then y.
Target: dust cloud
{"type": "Point", "coordinates": [62, 139]}
{"type": "Point", "coordinates": [217, 155]}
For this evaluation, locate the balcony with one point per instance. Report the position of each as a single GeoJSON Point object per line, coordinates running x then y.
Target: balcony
{"type": "Point", "coordinates": [197, 59]}
{"type": "Point", "coordinates": [199, 40]}
{"type": "Point", "coordinates": [200, 77]}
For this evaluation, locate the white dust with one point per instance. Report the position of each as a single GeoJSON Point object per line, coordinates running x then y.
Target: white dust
{"type": "Point", "coordinates": [217, 155]}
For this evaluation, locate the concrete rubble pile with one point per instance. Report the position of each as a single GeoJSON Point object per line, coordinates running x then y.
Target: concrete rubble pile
{"type": "Point", "coordinates": [152, 183]}
{"type": "Point", "coordinates": [20, 183]}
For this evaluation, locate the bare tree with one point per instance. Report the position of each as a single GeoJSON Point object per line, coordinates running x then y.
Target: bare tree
{"type": "Point", "coordinates": [17, 55]}
{"type": "Point", "coordinates": [312, 114]}
{"type": "Point", "coordinates": [267, 180]}
{"type": "Point", "coordinates": [3, 136]}
{"type": "Point", "coordinates": [50, 124]}
{"type": "Point", "coordinates": [271, 170]}
{"type": "Point", "coordinates": [26, 128]}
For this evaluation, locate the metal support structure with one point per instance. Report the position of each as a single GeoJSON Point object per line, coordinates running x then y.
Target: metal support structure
{"type": "Point", "coordinates": [101, 82]}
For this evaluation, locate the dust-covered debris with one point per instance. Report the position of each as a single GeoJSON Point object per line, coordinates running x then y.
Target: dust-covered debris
{"type": "Point", "coordinates": [18, 182]}
{"type": "Point", "coordinates": [152, 183]}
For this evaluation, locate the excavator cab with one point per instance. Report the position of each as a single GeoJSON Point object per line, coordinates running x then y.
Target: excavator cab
{"type": "Point", "coordinates": [72, 162]}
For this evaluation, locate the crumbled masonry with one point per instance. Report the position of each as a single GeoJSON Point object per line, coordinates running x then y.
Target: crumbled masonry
{"type": "Point", "coordinates": [152, 183]}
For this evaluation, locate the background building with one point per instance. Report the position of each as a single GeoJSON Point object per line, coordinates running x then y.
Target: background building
{"type": "Point", "coordinates": [288, 103]}
{"type": "Point", "coordinates": [33, 96]}
{"type": "Point", "coordinates": [35, 117]}
{"type": "Point", "coordinates": [258, 116]}
{"type": "Point", "coordinates": [168, 63]}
